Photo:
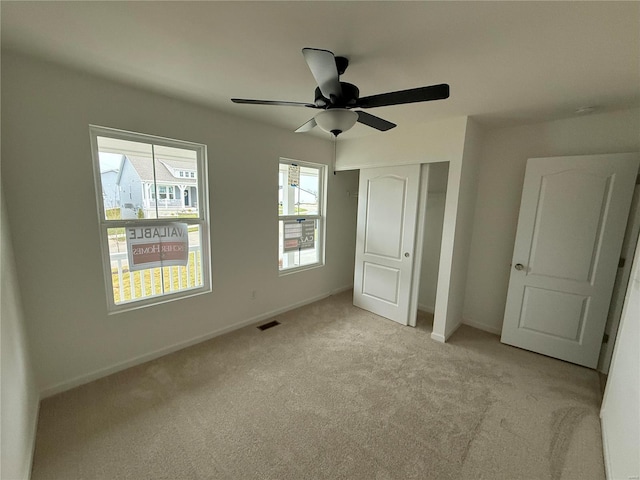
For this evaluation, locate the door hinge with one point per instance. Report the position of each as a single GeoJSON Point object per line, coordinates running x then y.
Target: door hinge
{"type": "Point", "coordinates": [621, 263]}
{"type": "Point", "coordinates": [605, 338]}
{"type": "Point", "coordinates": [638, 179]}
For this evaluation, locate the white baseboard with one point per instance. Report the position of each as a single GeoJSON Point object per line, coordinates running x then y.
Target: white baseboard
{"type": "Point", "coordinates": [426, 308]}
{"type": "Point", "coordinates": [444, 338]}
{"type": "Point", "coordinates": [437, 337]}
{"type": "Point", "coordinates": [453, 330]}
{"type": "Point", "coordinates": [482, 326]}
{"type": "Point", "coordinates": [34, 431]}
{"type": "Point", "coordinates": [344, 288]}
{"type": "Point", "coordinates": [605, 448]}
{"type": "Point", "coordinates": [103, 372]}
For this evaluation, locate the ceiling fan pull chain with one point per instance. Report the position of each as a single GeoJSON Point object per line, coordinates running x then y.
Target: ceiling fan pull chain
{"type": "Point", "coordinates": [335, 151]}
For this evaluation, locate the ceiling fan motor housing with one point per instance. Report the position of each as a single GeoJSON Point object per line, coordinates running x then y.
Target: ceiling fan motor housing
{"type": "Point", "coordinates": [349, 97]}
{"type": "Point", "coordinates": [341, 64]}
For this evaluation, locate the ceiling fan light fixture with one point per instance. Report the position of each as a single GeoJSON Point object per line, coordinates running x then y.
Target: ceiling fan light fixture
{"type": "Point", "coordinates": [336, 120]}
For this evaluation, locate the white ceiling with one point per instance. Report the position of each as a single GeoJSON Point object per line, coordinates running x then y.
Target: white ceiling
{"type": "Point", "coordinates": [506, 62]}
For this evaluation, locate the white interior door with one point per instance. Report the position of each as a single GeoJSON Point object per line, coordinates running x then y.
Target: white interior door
{"type": "Point", "coordinates": [572, 219]}
{"type": "Point", "coordinates": [385, 245]}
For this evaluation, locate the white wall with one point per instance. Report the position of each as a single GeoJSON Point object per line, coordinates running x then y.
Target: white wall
{"type": "Point", "coordinates": [501, 174]}
{"type": "Point", "coordinates": [441, 141]}
{"type": "Point", "coordinates": [434, 218]}
{"type": "Point", "coordinates": [19, 394]}
{"type": "Point", "coordinates": [46, 112]}
{"type": "Point", "coordinates": [456, 235]}
{"type": "Point", "coordinates": [620, 413]}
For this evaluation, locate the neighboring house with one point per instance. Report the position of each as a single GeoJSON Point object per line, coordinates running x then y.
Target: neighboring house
{"type": "Point", "coordinates": [110, 190]}
{"type": "Point", "coordinates": [175, 185]}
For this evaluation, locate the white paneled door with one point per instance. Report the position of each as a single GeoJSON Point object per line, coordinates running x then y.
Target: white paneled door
{"type": "Point", "coordinates": [572, 219]}
{"type": "Point", "coordinates": [385, 246]}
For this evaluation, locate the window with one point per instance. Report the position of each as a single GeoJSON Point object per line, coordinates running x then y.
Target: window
{"type": "Point", "coordinates": [153, 251]}
{"type": "Point", "coordinates": [186, 174]}
{"type": "Point", "coordinates": [300, 215]}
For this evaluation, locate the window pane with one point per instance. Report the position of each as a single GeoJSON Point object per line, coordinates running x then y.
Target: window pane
{"type": "Point", "coordinates": [126, 173]}
{"type": "Point", "coordinates": [131, 284]}
{"type": "Point", "coordinates": [132, 180]}
{"type": "Point", "coordinates": [178, 193]}
{"type": "Point", "coordinates": [298, 243]}
{"type": "Point", "coordinates": [308, 191]}
{"type": "Point", "coordinates": [299, 190]}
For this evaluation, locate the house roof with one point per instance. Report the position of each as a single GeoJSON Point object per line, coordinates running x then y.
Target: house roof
{"type": "Point", "coordinates": [144, 167]}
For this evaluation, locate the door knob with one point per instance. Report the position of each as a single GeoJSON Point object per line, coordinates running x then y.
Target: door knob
{"type": "Point", "coordinates": [519, 266]}
{"type": "Point", "coordinates": [406, 254]}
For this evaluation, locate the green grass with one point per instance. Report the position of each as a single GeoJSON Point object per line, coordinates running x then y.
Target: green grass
{"type": "Point", "coordinates": [113, 214]}
{"type": "Point", "coordinates": [170, 275]}
{"type": "Point", "coordinates": [298, 210]}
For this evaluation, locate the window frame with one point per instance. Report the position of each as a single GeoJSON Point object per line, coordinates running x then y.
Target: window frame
{"type": "Point", "coordinates": [202, 220]}
{"type": "Point", "coordinates": [320, 216]}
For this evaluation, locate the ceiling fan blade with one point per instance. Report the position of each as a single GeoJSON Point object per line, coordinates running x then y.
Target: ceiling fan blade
{"type": "Point", "coordinates": [322, 64]}
{"type": "Point", "coordinates": [374, 122]}
{"type": "Point", "coordinates": [421, 94]}
{"type": "Point", "coordinates": [272, 102]}
{"type": "Point", "coordinates": [307, 126]}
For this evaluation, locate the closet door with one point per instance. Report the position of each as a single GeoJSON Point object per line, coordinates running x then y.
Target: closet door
{"type": "Point", "coordinates": [385, 246]}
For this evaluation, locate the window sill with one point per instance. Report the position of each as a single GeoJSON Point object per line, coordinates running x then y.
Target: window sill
{"type": "Point", "coordinates": [157, 300]}
{"type": "Point", "coordinates": [289, 271]}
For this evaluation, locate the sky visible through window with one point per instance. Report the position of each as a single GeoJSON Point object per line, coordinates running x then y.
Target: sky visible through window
{"type": "Point", "coordinates": [308, 190]}
{"type": "Point", "coordinates": [109, 161]}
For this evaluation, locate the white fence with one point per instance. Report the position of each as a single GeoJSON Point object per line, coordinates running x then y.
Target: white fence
{"type": "Point", "coordinates": [172, 203]}
{"type": "Point", "coordinates": [148, 283]}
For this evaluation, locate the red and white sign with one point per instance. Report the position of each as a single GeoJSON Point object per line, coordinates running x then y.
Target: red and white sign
{"type": "Point", "coordinates": [155, 246]}
{"type": "Point", "coordinates": [299, 234]}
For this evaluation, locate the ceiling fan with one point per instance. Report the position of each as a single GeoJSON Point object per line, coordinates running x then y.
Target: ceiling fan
{"type": "Point", "coordinates": [336, 99]}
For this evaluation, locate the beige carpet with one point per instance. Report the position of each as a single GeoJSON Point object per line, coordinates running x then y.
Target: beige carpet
{"type": "Point", "coordinates": [333, 392]}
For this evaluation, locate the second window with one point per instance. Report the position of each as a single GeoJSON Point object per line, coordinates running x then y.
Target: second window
{"type": "Point", "coordinates": [300, 215]}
